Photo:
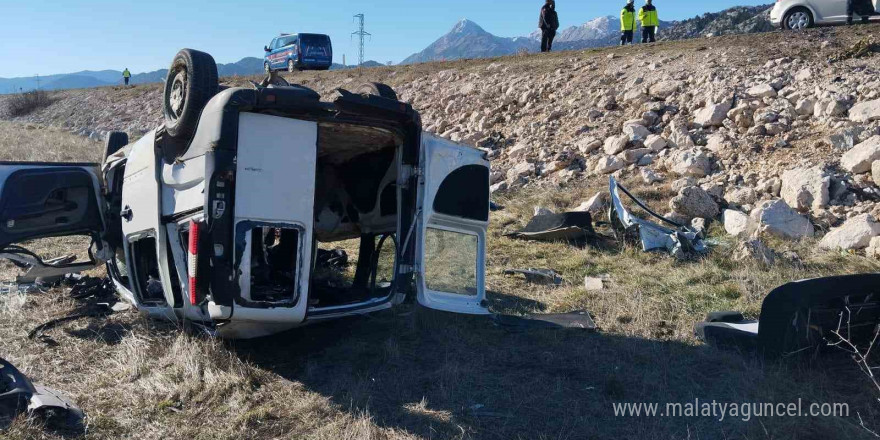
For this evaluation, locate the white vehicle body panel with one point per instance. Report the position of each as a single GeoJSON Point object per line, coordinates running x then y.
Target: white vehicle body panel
{"type": "Point", "coordinates": [275, 185]}
{"type": "Point", "coordinates": [441, 157]}
{"type": "Point", "coordinates": [824, 12]}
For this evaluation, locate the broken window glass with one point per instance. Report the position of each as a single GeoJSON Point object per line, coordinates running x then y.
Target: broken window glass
{"type": "Point", "coordinates": [451, 261]}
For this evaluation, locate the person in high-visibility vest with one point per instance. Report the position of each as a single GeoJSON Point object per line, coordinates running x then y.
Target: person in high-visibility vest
{"type": "Point", "coordinates": [648, 19]}
{"type": "Point", "coordinates": [627, 23]}
{"type": "Point", "coordinates": [126, 75]}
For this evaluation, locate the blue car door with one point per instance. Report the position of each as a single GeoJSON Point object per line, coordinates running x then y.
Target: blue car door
{"type": "Point", "coordinates": [276, 60]}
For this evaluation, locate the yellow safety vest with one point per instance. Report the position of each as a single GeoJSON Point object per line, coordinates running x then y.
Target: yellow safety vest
{"type": "Point", "coordinates": [627, 20]}
{"type": "Point", "coordinates": [648, 18]}
{"type": "Point", "coordinates": [126, 74]}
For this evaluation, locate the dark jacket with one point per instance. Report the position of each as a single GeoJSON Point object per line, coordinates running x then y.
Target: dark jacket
{"type": "Point", "coordinates": [549, 20]}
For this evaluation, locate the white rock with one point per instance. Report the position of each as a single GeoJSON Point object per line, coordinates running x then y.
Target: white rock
{"type": "Point", "coordinates": [856, 233]}
{"type": "Point", "coordinates": [664, 89]}
{"type": "Point", "coordinates": [778, 219]}
{"type": "Point", "coordinates": [694, 201]}
{"type": "Point", "coordinates": [636, 132]}
{"type": "Point", "coordinates": [595, 204]}
{"type": "Point", "coordinates": [865, 111]}
{"type": "Point", "coordinates": [741, 196]}
{"type": "Point", "coordinates": [588, 145]}
{"type": "Point", "coordinates": [762, 91]}
{"type": "Point", "coordinates": [593, 284]}
{"type": "Point", "coordinates": [873, 249]}
{"type": "Point", "coordinates": [736, 223]}
{"type": "Point", "coordinates": [609, 164]}
{"type": "Point", "coordinates": [805, 107]}
{"type": "Point", "coordinates": [679, 135]}
{"type": "Point", "coordinates": [859, 159]}
{"type": "Point", "coordinates": [693, 162]}
{"type": "Point", "coordinates": [518, 151]}
{"type": "Point", "coordinates": [521, 169]}
{"type": "Point", "coordinates": [681, 184]}
{"type": "Point", "coordinates": [540, 210]}
{"type": "Point", "coordinates": [655, 143]}
{"type": "Point", "coordinates": [805, 189]}
{"type": "Point", "coordinates": [634, 155]}
{"type": "Point", "coordinates": [649, 176]}
{"type": "Point", "coordinates": [615, 144]}
{"type": "Point", "coordinates": [717, 142]}
{"type": "Point", "coordinates": [875, 172]}
{"type": "Point", "coordinates": [712, 115]}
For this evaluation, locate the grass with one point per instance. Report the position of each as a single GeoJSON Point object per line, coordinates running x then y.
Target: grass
{"type": "Point", "coordinates": [411, 373]}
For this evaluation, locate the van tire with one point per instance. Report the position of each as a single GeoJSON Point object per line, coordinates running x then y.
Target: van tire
{"type": "Point", "coordinates": [114, 142]}
{"type": "Point", "coordinates": [377, 89]}
{"type": "Point", "coordinates": [291, 67]}
{"type": "Point", "coordinates": [190, 84]}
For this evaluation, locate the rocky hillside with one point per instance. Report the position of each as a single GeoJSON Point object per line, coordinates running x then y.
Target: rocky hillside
{"type": "Point", "coordinates": [773, 133]}
{"type": "Point", "coordinates": [737, 20]}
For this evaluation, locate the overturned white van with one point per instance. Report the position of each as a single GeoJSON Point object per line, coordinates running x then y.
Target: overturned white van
{"type": "Point", "coordinates": [217, 216]}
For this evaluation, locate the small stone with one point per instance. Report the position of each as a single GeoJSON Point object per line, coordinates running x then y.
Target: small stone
{"type": "Point", "coordinates": [593, 284]}
{"type": "Point", "coordinates": [856, 233]}
{"type": "Point", "coordinates": [736, 223]}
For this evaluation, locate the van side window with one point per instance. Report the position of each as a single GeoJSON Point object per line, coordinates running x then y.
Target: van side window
{"type": "Point", "coordinates": [465, 193]}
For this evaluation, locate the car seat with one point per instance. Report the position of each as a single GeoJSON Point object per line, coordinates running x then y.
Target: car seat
{"type": "Point", "coordinates": [802, 317]}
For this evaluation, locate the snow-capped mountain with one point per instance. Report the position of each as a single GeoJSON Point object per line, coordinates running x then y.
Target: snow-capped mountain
{"type": "Point", "coordinates": [468, 40]}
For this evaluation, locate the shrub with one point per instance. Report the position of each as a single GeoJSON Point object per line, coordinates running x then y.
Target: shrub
{"type": "Point", "coordinates": [22, 104]}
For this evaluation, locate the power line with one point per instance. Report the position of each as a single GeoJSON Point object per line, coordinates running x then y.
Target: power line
{"type": "Point", "coordinates": [361, 33]}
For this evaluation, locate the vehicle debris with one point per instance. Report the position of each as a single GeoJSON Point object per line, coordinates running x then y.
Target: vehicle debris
{"type": "Point", "coordinates": [567, 226]}
{"type": "Point", "coordinates": [679, 240]}
{"type": "Point", "coordinates": [18, 395]}
{"type": "Point", "coordinates": [580, 319]}
{"type": "Point", "coordinates": [806, 317]}
{"type": "Point", "coordinates": [537, 276]}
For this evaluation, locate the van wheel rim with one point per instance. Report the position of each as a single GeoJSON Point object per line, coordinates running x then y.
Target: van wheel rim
{"type": "Point", "coordinates": [799, 20]}
{"type": "Point", "coordinates": [290, 67]}
{"type": "Point", "coordinates": [177, 98]}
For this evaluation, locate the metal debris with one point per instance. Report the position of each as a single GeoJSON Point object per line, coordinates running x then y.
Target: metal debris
{"type": "Point", "coordinates": [537, 276]}
{"type": "Point", "coordinates": [18, 394]}
{"type": "Point", "coordinates": [567, 226]}
{"type": "Point", "coordinates": [680, 240]}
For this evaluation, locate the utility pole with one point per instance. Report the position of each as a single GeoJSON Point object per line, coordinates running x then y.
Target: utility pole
{"type": "Point", "coordinates": [361, 33]}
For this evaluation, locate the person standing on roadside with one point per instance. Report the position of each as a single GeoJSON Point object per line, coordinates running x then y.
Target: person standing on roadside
{"type": "Point", "coordinates": [863, 8]}
{"type": "Point", "coordinates": [126, 75]}
{"type": "Point", "coordinates": [648, 19]}
{"type": "Point", "coordinates": [627, 23]}
{"type": "Point", "coordinates": [549, 23]}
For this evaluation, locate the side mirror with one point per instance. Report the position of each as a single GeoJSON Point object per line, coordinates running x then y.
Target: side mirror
{"type": "Point", "coordinates": [266, 48]}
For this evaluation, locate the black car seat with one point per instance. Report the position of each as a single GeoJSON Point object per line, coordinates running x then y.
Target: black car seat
{"type": "Point", "coordinates": [801, 317]}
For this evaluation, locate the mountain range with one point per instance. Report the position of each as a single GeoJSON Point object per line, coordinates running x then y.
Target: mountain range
{"type": "Point", "coordinates": [468, 40]}
{"type": "Point", "coordinates": [91, 78]}
{"type": "Point", "coordinates": [465, 40]}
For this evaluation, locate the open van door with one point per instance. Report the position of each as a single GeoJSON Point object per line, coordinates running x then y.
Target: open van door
{"type": "Point", "coordinates": [42, 200]}
{"type": "Point", "coordinates": [451, 231]}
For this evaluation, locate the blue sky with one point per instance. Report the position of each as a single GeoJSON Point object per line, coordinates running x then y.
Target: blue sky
{"type": "Point", "coordinates": [52, 36]}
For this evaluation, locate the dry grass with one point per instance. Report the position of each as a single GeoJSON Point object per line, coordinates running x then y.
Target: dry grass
{"type": "Point", "coordinates": [21, 104]}
{"type": "Point", "coordinates": [29, 142]}
{"type": "Point", "coordinates": [412, 373]}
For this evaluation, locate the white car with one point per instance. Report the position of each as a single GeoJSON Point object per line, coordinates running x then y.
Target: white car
{"type": "Point", "coordinates": [802, 14]}
{"type": "Point", "coordinates": [217, 216]}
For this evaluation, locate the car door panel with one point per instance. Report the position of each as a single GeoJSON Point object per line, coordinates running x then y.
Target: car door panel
{"type": "Point", "coordinates": [40, 200]}
{"type": "Point", "coordinates": [451, 245]}
{"type": "Point", "coordinates": [829, 10]}
{"type": "Point", "coordinates": [146, 247]}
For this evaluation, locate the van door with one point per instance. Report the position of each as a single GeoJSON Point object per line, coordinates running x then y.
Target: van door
{"type": "Point", "coordinates": [144, 236]}
{"type": "Point", "coordinates": [42, 200]}
{"type": "Point", "coordinates": [451, 231]}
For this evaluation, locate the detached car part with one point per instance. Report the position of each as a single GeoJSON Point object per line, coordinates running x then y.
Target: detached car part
{"type": "Point", "coordinates": [567, 226]}
{"type": "Point", "coordinates": [537, 276]}
{"type": "Point", "coordinates": [678, 240]}
{"type": "Point", "coordinates": [18, 394]}
{"type": "Point", "coordinates": [803, 317]}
